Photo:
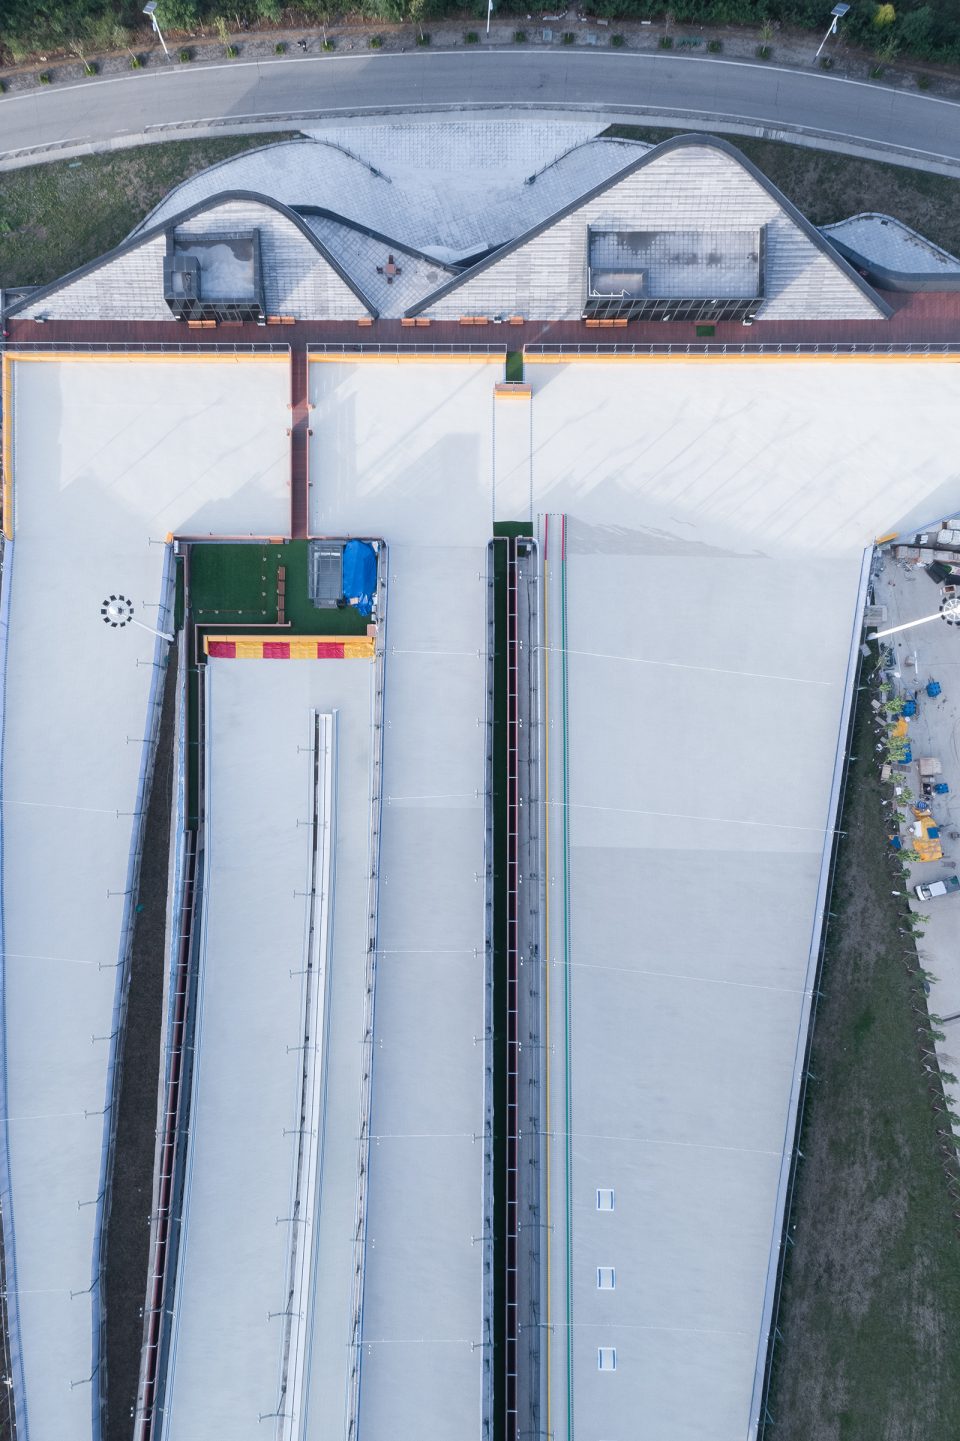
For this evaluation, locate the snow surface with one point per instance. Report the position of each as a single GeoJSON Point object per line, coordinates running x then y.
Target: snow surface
{"type": "Point", "coordinates": [108, 457]}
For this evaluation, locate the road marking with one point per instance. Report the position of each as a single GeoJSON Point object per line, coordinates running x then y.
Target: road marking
{"type": "Point", "coordinates": [709, 669]}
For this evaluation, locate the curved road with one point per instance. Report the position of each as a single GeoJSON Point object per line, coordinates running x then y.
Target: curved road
{"type": "Point", "coordinates": [98, 113]}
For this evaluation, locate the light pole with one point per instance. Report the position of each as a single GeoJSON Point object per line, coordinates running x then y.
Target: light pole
{"type": "Point", "coordinates": [949, 611]}
{"type": "Point", "coordinates": [150, 9]}
{"type": "Point", "coordinates": [838, 13]}
{"type": "Point", "coordinates": [117, 611]}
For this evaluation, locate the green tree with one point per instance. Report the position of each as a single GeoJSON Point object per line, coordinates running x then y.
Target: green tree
{"type": "Point", "coordinates": [178, 14]}
{"type": "Point", "coordinates": [883, 16]}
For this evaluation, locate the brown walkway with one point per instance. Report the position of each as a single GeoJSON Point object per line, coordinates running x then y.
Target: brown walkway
{"type": "Point", "coordinates": [922, 318]}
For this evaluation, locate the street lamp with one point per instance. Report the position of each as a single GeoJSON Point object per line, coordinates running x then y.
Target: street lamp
{"type": "Point", "coordinates": [150, 9]}
{"type": "Point", "coordinates": [949, 611]}
{"type": "Point", "coordinates": [117, 611]}
{"type": "Point", "coordinates": [838, 13]}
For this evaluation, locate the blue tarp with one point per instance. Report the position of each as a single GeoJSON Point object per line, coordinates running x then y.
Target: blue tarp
{"type": "Point", "coordinates": [359, 574]}
{"type": "Point", "coordinates": [933, 688]}
{"type": "Point", "coordinates": [909, 707]}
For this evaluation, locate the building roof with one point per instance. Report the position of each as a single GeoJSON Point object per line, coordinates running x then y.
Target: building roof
{"type": "Point", "coordinates": [892, 255]}
{"type": "Point", "coordinates": [109, 452]}
{"type": "Point", "coordinates": [301, 276]}
{"type": "Point", "coordinates": [690, 182]}
{"type": "Point", "coordinates": [485, 242]}
{"type": "Point", "coordinates": [455, 189]}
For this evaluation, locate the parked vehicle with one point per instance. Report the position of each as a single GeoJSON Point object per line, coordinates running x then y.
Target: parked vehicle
{"type": "Point", "coordinates": [949, 886]}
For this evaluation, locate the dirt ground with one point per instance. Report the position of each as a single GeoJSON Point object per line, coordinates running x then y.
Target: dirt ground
{"type": "Point", "coordinates": [871, 1300]}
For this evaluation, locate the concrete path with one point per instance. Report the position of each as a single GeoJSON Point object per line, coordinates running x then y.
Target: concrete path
{"type": "Point", "coordinates": [125, 110]}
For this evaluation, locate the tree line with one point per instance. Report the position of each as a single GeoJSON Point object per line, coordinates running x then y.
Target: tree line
{"type": "Point", "coordinates": [923, 29]}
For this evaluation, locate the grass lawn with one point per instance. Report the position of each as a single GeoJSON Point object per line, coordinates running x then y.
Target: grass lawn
{"type": "Point", "coordinates": [871, 1299]}
{"type": "Point", "coordinates": [234, 584]}
{"type": "Point", "coordinates": [826, 187]}
{"type": "Point", "coordinates": [56, 217]}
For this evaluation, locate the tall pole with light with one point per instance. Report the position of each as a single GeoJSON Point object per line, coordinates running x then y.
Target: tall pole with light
{"type": "Point", "coordinates": [151, 9]}
{"type": "Point", "coordinates": [838, 13]}
{"type": "Point", "coordinates": [489, 13]}
{"type": "Point", "coordinates": [117, 612]}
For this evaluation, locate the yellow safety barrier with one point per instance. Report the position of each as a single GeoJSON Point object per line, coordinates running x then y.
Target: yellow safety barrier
{"type": "Point", "coordinates": [7, 393]}
{"type": "Point", "coordinates": [155, 357]}
{"type": "Point", "coordinates": [417, 357]}
{"type": "Point", "coordinates": [620, 357]}
{"type": "Point", "coordinates": [295, 647]}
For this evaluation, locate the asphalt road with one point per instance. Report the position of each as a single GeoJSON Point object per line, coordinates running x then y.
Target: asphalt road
{"type": "Point", "coordinates": [98, 113]}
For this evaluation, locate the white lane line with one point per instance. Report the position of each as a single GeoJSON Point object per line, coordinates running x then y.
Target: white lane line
{"type": "Point", "coordinates": [685, 665]}
{"type": "Point", "coordinates": [577, 56]}
{"type": "Point", "coordinates": [680, 816]}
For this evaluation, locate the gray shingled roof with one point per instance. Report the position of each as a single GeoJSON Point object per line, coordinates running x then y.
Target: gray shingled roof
{"type": "Point", "coordinates": [453, 190]}
{"type": "Point", "coordinates": [127, 283]}
{"type": "Point", "coordinates": [888, 242]}
{"type": "Point", "coordinates": [364, 256]}
{"type": "Point", "coordinates": [691, 182]}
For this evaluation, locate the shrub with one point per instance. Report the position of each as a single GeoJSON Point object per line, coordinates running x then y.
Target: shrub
{"type": "Point", "coordinates": [280, 48]}
{"type": "Point", "coordinates": [185, 56]}
{"type": "Point", "coordinates": [666, 42]}
{"type": "Point", "coordinates": [328, 44]}
{"type": "Point", "coordinates": [762, 52]}
{"type": "Point", "coordinates": [136, 63]}
{"type": "Point", "coordinates": [179, 14]}
{"type": "Point", "coordinates": [3, 86]}
{"type": "Point", "coordinates": [423, 38]}
{"type": "Point", "coordinates": [44, 77]}
{"type": "Point", "coordinates": [568, 37]}
{"type": "Point", "coordinates": [220, 25]}
{"type": "Point", "coordinates": [472, 38]}
{"type": "Point", "coordinates": [520, 37]}
{"type": "Point", "coordinates": [876, 71]}
{"type": "Point", "coordinates": [714, 46]}
{"type": "Point", "coordinates": [826, 62]}
{"type": "Point", "coordinates": [376, 42]}
{"type": "Point", "coordinates": [90, 68]}
{"type": "Point", "coordinates": [618, 41]}
{"type": "Point", "coordinates": [883, 16]}
{"type": "Point", "coordinates": [232, 52]}
{"type": "Point", "coordinates": [923, 82]}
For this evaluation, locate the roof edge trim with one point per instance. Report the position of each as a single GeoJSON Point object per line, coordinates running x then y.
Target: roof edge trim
{"type": "Point", "coordinates": [377, 235]}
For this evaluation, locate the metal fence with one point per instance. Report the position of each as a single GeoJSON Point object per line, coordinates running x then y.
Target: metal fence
{"type": "Point", "coordinates": [11, 1383]}
{"type": "Point", "coordinates": [369, 1018]}
{"type": "Point", "coordinates": [376, 347]}
{"type": "Point", "coordinates": [147, 347]}
{"type": "Point", "coordinates": [121, 991]}
{"type": "Point", "coordinates": [781, 347]}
